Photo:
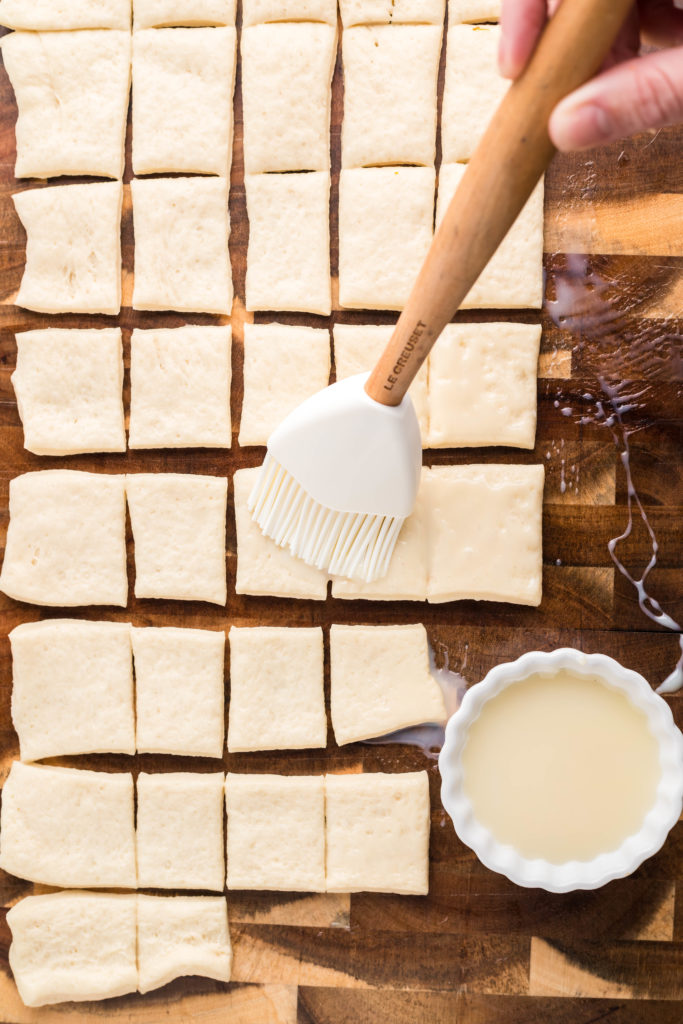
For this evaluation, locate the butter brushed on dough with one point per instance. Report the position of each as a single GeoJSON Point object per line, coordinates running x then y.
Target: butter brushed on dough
{"type": "Point", "coordinates": [190, 13]}
{"type": "Point", "coordinates": [70, 121]}
{"type": "Point", "coordinates": [255, 12]}
{"type": "Point", "coordinates": [68, 827]}
{"type": "Point", "coordinates": [180, 936]}
{"type": "Point", "coordinates": [73, 248]}
{"type": "Point", "coordinates": [49, 15]}
{"type": "Point", "coordinates": [391, 12]}
{"type": "Point", "coordinates": [72, 688]}
{"type": "Point", "coordinates": [183, 82]}
{"type": "Point", "coordinates": [66, 541]}
{"type": "Point", "coordinates": [73, 946]}
{"type": "Point", "coordinates": [69, 385]}
{"type": "Point", "coordinates": [473, 88]}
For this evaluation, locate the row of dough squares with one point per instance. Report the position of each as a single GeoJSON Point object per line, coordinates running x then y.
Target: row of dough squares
{"type": "Point", "coordinates": [335, 833]}
{"type": "Point", "coordinates": [477, 388]}
{"type": "Point", "coordinates": [76, 946]}
{"type": "Point", "coordinates": [475, 533]}
{"type": "Point", "coordinates": [73, 689]}
{"type": "Point", "coordinates": [73, 250]}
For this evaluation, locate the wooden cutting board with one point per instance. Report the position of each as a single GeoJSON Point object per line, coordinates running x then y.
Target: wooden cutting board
{"type": "Point", "coordinates": [478, 949]}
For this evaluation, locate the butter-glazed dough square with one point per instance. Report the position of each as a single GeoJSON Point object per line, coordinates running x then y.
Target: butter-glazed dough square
{"type": "Point", "coordinates": [390, 75]}
{"type": "Point", "coordinates": [68, 827]}
{"type": "Point", "coordinates": [377, 832]}
{"type": "Point", "coordinates": [257, 12]}
{"type": "Point", "coordinates": [69, 123]}
{"type": "Point", "coordinates": [276, 832]}
{"type": "Point", "coordinates": [469, 11]}
{"type": "Point", "coordinates": [357, 347]}
{"type": "Point", "coordinates": [180, 387]}
{"type": "Point", "coordinates": [180, 936]}
{"type": "Point", "coordinates": [485, 533]}
{"type": "Point", "coordinates": [473, 88]}
{"type": "Point", "coordinates": [262, 567]}
{"type": "Point", "coordinates": [482, 385]}
{"type": "Point", "coordinates": [182, 226]}
{"type": "Point", "coordinates": [514, 275]}
{"type": "Point", "coordinates": [286, 94]}
{"type": "Point", "coordinates": [179, 691]}
{"type": "Point", "coordinates": [180, 831]}
{"type": "Point", "coordinates": [66, 541]}
{"type": "Point", "coordinates": [283, 366]}
{"type": "Point", "coordinates": [69, 387]}
{"type": "Point", "coordinates": [73, 946]}
{"type": "Point", "coordinates": [73, 248]}
{"type": "Point", "coordinates": [178, 522]}
{"type": "Point", "coordinates": [385, 229]}
{"type": "Point", "coordinates": [52, 15]}
{"type": "Point", "coordinates": [391, 12]}
{"type": "Point", "coordinates": [72, 688]}
{"type": "Point", "coordinates": [407, 576]}
{"type": "Point", "coordinates": [183, 82]}
{"type": "Point", "coordinates": [277, 698]}
{"type": "Point", "coordinates": [288, 259]}
{"type": "Point", "coordinates": [188, 13]}
{"type": "Point", "coordinates": [381, 681]}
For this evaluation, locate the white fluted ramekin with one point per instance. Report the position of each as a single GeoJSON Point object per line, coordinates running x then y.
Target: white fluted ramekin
{"type": "Point", "coordinates": [574, 874]}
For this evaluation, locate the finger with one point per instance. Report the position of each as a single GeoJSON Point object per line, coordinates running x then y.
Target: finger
{"type": "Point", "coordinates": [643, 93]}
{"type": "Point", "coordinates": [661, 22]}
{"type": "Point", "coordinates": [520, 23]}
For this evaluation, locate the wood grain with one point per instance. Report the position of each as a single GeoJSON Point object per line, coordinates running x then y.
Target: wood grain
{"type": "Point", "coordinates": [477, 949]}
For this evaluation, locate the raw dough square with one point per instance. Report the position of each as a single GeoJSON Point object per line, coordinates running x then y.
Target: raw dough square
{"type": "Point", "coordinates": [377, 832]}
{"type": "Point", "coordinates": [180, 388]}
{"type": "Point", "coordinates": [276, 832]}
{"type": "Point", "coordinates": [179, 691]}
{"type": "Point", "coordinates": [73, 248]}
{"type": "Point", "coordinates": [277, 697]}
{"type": "Point", "coordinates": [69, 388]}
{"type": "Point", "coordinates": [514, 275]}
{"type": "Point", "coordinates": [473, 88]}
{"type": "Point", "coordinates": [485, 533]}
{"type": "Point", "coordinates": [66, 541]}
{"type": "Point", "coordinates": [407, 576]}
{"type": "Point", "coordinates": [387, 12]}
{"type": "Point", "coordinates": [68, 827]}
{"type": "Point", "coordinates": [73, 946]}
{"type": "Point", "coordinates": [386, 219]}
{"type": "Point", "coordinates": [286, 93]}
{"type": "Point", "coordinates": [357, 347]}
{"type": "Point", "coordinates": [69, 123]}
{"type": "Point", "coordinates": [482, 385]}
{"type": "Point", "coordinates": [256, 12]}
{"type": "Point", "coordinates": [47, 15]}
{"type": "Point", "coordinates": [390, 75]}
{"type": "Point", "coordinates": [283, 365]}
{"type": "Point", "coordinates": [179, 73]}
{"type": "Point", "coordinates": [190, 13]}
{"type": "Point", "coordinates": [262, 567]}
{"type": "Point", "coordinates": [178, 522]}
{"type": "Point", "coordinates": [182, 226]}
{"type": "Point", "coordinates": [381, 681]}
{"type": "Point", "coordinates": [180, 936]}
{"type": "Point", "coordinates": [72, 688]}
{"type": "Point", "coordinates": [180, 831]}
{"type": "Point", "coordinates": [464, 11]}
{"type": "Point", "coordinates": [288, 259]}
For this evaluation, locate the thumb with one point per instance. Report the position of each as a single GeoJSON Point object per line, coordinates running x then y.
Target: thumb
{"type": "Point", "coordinates": [646, 92]}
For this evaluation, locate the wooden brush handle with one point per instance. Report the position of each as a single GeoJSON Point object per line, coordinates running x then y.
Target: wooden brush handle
{"type": "Point", "coordinates": [500, 177]}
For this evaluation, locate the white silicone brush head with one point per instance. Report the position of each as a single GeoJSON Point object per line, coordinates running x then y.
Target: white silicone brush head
{"type": "Point", "coordinates": [339, 480]}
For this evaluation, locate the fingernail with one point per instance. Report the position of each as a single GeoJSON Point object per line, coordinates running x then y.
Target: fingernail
{"type": "Point", "coordinates": [504, 58]}
{"type": "Point", "coordinates": [580, 125]}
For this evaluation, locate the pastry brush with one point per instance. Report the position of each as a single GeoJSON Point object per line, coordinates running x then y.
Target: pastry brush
{"type": "Point", "coordinates": [341, 472]}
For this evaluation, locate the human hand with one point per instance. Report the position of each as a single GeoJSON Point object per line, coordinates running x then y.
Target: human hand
{"type": "Point", "coordinates": [632, 93]}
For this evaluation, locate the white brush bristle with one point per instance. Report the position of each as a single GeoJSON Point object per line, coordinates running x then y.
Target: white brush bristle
{"type": "Point", "coordinates": [342, 543]}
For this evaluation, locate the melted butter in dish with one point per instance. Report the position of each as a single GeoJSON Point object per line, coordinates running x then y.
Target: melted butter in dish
{"type": "Point", "coordinates": [561, 767]}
